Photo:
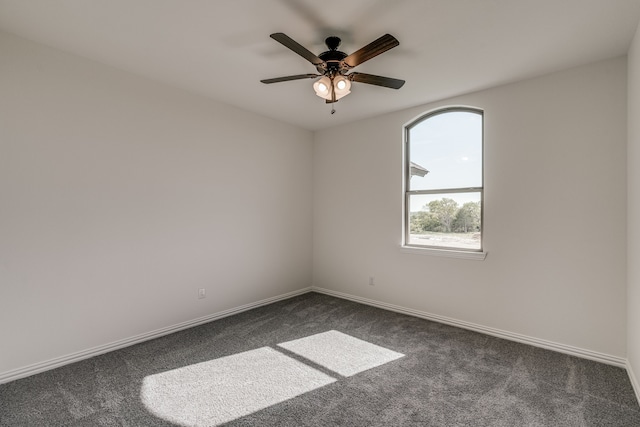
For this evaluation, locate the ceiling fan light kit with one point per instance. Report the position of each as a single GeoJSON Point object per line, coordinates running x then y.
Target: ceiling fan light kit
{"type": "Point", "coordinates": [330, 89]}
{"type": "Point", "coordinates": [334, 66]}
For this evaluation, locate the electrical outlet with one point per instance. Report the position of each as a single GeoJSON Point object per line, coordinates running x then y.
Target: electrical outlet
{"type": "Point", "coordinates": [202, 293]}
{"type": "Point", "coordinates": [372, 281]}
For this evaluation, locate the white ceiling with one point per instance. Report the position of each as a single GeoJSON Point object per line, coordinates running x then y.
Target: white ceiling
{"type": "Point", "coordinates": [221, 48]}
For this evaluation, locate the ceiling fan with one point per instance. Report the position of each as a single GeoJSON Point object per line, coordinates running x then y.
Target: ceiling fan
{"type": "Point", "coordinates": [334, 66]}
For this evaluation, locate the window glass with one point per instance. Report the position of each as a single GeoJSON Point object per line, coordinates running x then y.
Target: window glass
{"type": "Point", "coordinates": [449, 146]}
{"type": "Point", "coordinates": [444, 180]}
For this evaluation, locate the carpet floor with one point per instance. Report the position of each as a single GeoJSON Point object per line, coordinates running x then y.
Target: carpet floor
{"type": "Point", "coordinates": [315, 360]}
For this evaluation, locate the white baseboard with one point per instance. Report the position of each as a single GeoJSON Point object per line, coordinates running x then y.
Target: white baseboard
{"type": "Point", "coordinates": [36, 368]}
{"type": "Point", "coordinates": [536, 342]}
{"type": "Point", "coordinates": [634, 381]}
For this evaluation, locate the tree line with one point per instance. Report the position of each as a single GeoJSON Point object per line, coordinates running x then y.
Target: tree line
{"type": "Point", "coordinates": [446, 216]}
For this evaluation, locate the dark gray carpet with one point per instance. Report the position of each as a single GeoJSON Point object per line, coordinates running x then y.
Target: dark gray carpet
{"type": "Point", "coordinates": [447, 376]}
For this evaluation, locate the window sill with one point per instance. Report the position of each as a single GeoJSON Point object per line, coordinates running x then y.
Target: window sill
{"type": "Point", "coordinates": [449, 253]}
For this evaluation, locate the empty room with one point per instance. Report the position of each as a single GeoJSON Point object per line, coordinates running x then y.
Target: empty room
{"type": "Point", "coordinates": [302, 213]}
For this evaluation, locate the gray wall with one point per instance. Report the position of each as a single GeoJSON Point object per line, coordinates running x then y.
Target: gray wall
{"type": "Point", "coordinates": [633, 238]}
{"type": "Point", "coordinates": [555, 213]}
{"type": "Point", "coordinates": [120, 198]}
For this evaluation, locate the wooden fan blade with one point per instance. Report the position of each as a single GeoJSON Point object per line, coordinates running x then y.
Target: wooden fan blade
{"type": "Point", "coordinates": [297, 48]}
{"type": "Point", "coordinates": [376, 80]}
{"type": "Point", "coordinates": [371, 50]}
{"type": "Point", "coordinates": [287, 78]}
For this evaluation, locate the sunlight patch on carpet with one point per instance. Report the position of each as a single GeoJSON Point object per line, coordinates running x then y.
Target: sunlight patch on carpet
{"type": "Point", "coordinates": [341, 353]}
{"type": "Point", "coordinates": [221, 390]}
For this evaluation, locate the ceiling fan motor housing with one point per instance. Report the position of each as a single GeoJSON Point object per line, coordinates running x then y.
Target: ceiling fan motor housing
{"type": "Point", "coordinates": [333, 58]}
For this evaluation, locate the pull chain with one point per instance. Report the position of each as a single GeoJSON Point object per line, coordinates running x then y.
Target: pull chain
{"type": "Point", "coordinates": [333, 97]}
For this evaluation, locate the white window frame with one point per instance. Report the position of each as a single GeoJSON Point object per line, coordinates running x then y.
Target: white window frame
{"type": "Point", "coordinates": [477, 254]}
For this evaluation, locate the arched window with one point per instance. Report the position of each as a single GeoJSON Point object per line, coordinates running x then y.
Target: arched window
{"type": "Point", "coordinates": [444, 180]}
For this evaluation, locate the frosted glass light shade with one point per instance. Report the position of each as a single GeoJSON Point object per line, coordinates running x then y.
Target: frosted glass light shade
{"type": "Point", "coordinates": [322, 87]}
{"type": "Point", "coordinates": [342, 86]}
